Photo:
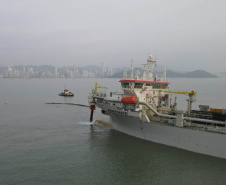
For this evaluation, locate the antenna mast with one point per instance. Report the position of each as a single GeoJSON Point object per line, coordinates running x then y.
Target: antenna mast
{"type": "Point", "coordinates": [132, 69]}
{"type": "Point", "coordinates": [151, 62]}
{"type": "Point", "coordinates": [165, 72]}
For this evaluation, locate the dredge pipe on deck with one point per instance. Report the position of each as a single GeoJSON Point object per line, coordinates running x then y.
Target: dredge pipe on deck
{"type": "Point", "coordinates": [155, 111]}
{"type": "Point", "coordinates": [185, 118]}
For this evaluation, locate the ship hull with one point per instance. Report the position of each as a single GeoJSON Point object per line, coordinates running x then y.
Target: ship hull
{"type": "Point", "coordinates": [203, 142]}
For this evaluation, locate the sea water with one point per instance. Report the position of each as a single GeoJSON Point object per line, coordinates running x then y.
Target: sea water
{"type": "Point", "coordinates": [56, 144]}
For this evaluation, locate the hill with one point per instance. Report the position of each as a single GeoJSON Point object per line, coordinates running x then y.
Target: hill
{"type": "Point", "coordinates": [172, 74]}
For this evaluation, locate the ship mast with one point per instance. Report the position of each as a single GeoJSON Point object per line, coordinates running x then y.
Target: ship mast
{"type": "Point", "coordinates": [164, 73]}
{"type": "Point", "coordinates": [132, 69]}
{"type": "Point", "coordinates": [137, 73]}
{"type": "Point", "coordinates": [144, 72]}
{"type": "Point", "coordinates": [151, 62]}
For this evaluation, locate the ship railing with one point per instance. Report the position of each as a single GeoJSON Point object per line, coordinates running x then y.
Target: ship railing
{"type": "Point", "coordinates": [99, 94]}
{"type": "Point", "coordinates": [116, 93]}
{"type": "Point", "coordinates": [126, 77]}
{"type": "Point", "coordinates": [161, 78]}
{"type": "Point", "coordinates": [209, 118]}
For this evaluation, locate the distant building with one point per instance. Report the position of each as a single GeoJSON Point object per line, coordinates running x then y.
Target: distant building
{"type": "Point", "coordinates": [56, 72]}
{"type": "Point", "coordinates": [91, 74]}
{"type": "Point", "coordinates": [75, 72]}
{"type": "Point", "coordinates": [85, 74]}
{"type": "Point", "coordinates": [10, 72]}
{"type": "Point", "coordinates": [102, 70]}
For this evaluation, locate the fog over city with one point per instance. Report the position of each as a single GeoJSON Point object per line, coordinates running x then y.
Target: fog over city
{"type": "Point", "coordinates": [184, 35]}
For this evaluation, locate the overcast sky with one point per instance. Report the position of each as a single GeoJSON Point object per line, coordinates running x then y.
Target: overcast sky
{"type": "Point", "coordinates": [182, 34]}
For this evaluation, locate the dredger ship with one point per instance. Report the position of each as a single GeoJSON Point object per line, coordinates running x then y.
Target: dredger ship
{"type": "Point", "coordinates": [145, 110]}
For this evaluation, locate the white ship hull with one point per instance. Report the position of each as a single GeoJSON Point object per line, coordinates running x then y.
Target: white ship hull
{"type": "Point", "coordinates": [208, 143]}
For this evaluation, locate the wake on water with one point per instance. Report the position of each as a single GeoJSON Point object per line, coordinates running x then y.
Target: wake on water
{"type": "Point", "coordinates": [85, 123]}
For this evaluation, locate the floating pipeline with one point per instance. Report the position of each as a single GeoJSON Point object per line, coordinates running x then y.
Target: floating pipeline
{"type": "Point", "coordinates": [69, 104]}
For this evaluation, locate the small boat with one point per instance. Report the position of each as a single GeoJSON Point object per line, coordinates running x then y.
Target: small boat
{"type": "Point", "coordinates": [66, 93]}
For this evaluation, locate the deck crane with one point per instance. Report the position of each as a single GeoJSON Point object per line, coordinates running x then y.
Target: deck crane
{"type": "Point", "coordinates": [192, 97]}
{"type": "Point", "coordinates": [92, 107]}
{"type": "Point", "coordinates": [98, 86]}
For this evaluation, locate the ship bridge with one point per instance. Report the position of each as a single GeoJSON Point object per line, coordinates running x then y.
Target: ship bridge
{"type": "Point", "coordinates": [140, 84]}
{"type": "Point", "coordinates": [146, 87]}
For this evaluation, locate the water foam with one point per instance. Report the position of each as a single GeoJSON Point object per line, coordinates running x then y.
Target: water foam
{"type": "Point", "coordinates": [86, 123]}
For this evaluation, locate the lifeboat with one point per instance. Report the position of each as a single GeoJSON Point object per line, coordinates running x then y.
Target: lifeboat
{"type": "Point", "coordinates": [129, 100]}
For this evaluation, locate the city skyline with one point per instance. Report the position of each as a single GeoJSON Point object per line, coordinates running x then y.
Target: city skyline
{"type": "Point", "coordinates": [103, 71]}
{"type": "Point", "coordinates": [55, 72]}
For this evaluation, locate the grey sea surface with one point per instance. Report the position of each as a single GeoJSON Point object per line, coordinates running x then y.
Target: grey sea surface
{"type": "Point", "coordinates": [55, 144]}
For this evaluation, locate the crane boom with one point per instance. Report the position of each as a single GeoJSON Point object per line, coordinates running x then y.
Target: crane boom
{"type": "Point", "coordinates": [98, 86]}
{"type": "Point", "coordinates": [190, 94]}
{"type": "Point", "coordinates": [192, 97]}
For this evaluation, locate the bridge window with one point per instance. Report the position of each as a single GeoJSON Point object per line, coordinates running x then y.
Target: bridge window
{"type": "Point", "coordinates": [138, 85]}
{"type": "Point", "coordinates": [157, 86]}
{"type": "Point", "coordinates": [160, 86]}
{"type": "Point", "coordinates": [125, 85]}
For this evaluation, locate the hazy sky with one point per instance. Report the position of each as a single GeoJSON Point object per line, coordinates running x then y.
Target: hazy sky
{"type": "Point", "coordinates": [182, 34]}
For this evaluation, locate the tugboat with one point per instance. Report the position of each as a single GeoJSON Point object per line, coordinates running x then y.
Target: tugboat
{"type": "Point", "coordinates": [66, 93]}
{"type": "Point", "coordinates": [145, 110]}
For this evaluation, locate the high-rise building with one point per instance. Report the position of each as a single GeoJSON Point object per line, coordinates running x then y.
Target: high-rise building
{"type": "Point", "coordinates": [85, 73]}
{"type": "Point", "coordinates": [56, 72]}
{"type": "Point", "coordinates": [103, 70]}
{"type": "Point", "coordinates": [10, 72]}
{"type": "Point", "coordinates": [75, 72]}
